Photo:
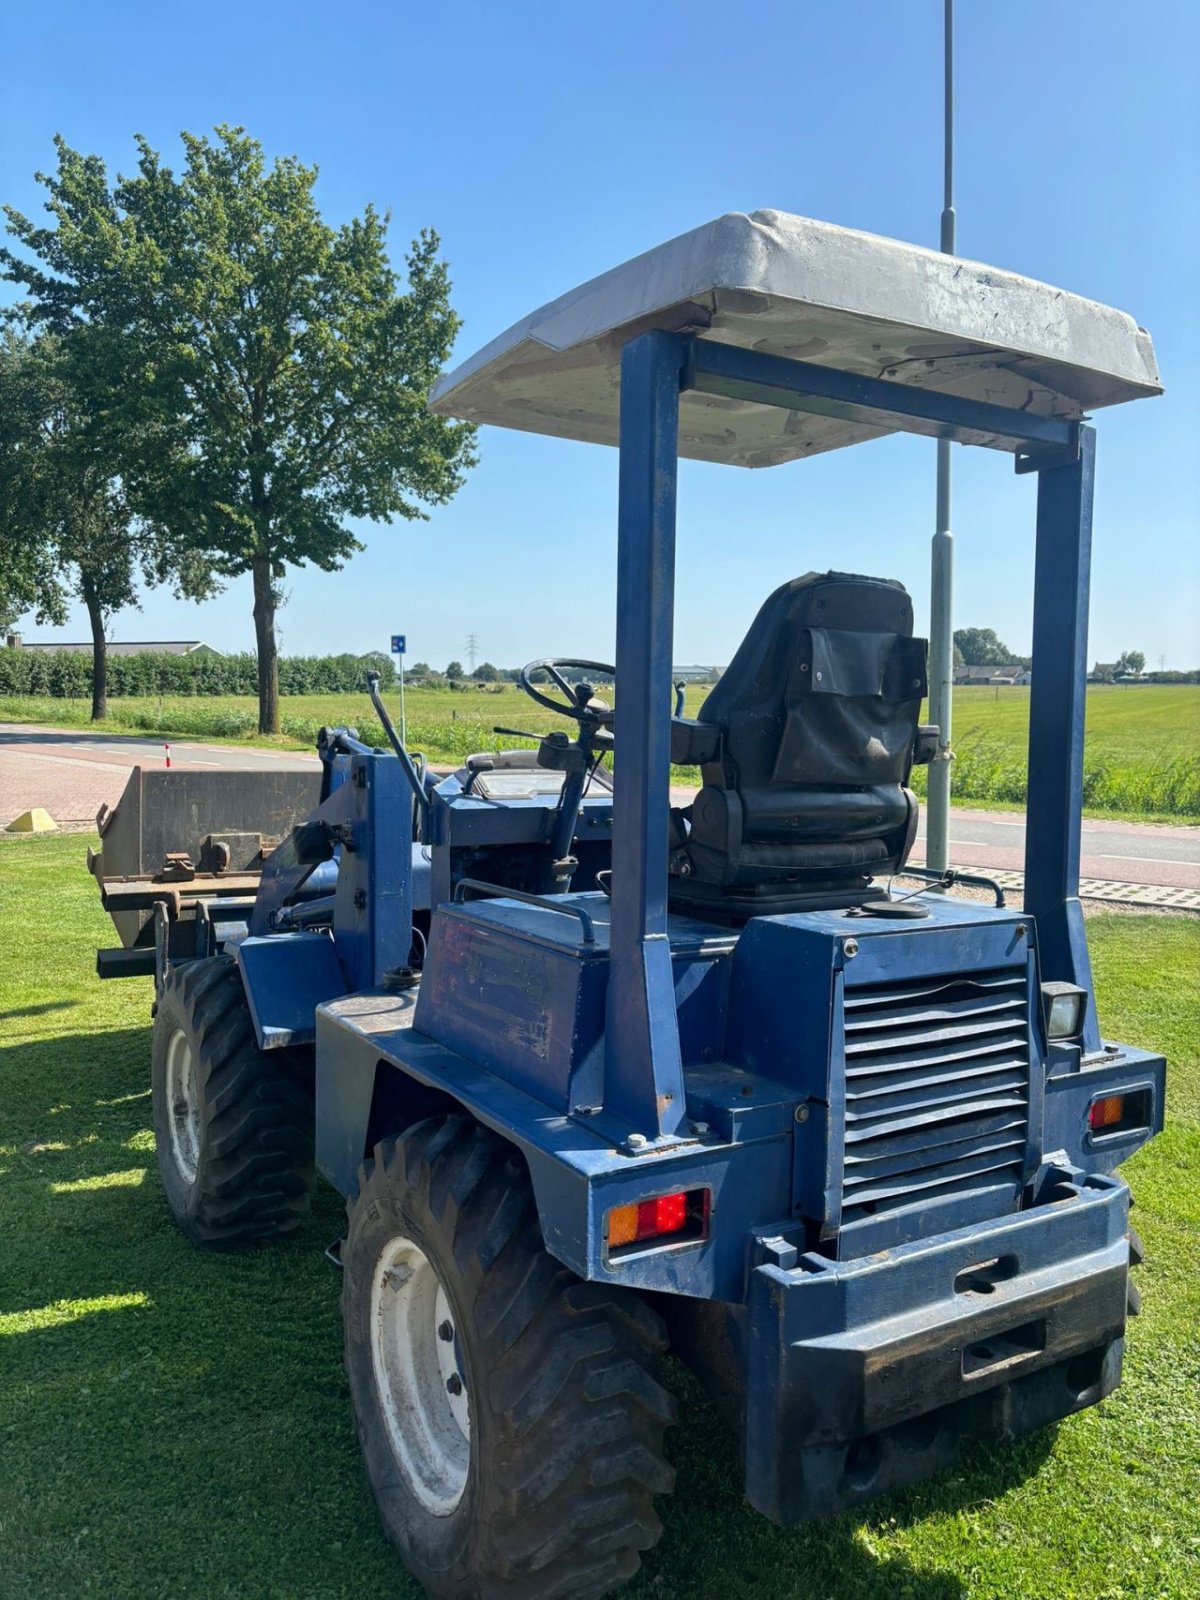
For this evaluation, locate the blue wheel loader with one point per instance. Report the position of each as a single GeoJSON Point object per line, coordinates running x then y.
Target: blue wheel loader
{"type": "Point", "coordinates": [600, 1075]}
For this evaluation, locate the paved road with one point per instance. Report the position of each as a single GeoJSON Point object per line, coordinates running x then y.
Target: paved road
{"type": "Point", "coordinates": [72, 773]}
{"type": "Point", "coordinates": [1122, 852]}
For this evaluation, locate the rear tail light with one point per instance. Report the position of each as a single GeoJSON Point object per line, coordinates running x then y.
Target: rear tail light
{"type": "Point", "coordinates": [672, 1218]}
{"type": "Point", "coordinates": [1119, 1113]}
{"type": "Point", "coordinates": [1106, 1113]}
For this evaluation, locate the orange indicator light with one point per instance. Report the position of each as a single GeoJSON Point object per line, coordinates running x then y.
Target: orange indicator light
{"type": "Point", "coordinates": [1106, 1113]}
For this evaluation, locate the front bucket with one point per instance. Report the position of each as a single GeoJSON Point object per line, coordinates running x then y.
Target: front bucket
{"type": "Point", "coordinates": [223, 822]}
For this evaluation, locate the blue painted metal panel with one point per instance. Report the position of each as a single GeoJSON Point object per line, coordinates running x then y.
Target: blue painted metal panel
{"type": "Point", "coordinates": [1072, 1086]}
{"type": "Point", "coordinates": [643, 1070]}
{"type": "Point", "coordinates": [522, 990]}
{"type": "Point", "coordinates": [529, 1009]}
{"type": "Point", "coordinates": [286, 976]}
{"type": "Point", "coordinates": [373, 912]}
{"type": "Point", "coordinates": [1057, 708]}
{"type": "Point", "coordinates": [578, 1174]}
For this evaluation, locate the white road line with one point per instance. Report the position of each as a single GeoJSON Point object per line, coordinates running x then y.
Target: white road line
{"type": "Point", "coordinates": [1158, 861]}
{"type": "Point", "coordinates": [72, 761]}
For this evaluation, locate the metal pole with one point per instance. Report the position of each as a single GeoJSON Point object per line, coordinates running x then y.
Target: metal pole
{"type": "Point", "coordinates": [941, 601]}
{"type": "Point", "coordinates": [403, 725]}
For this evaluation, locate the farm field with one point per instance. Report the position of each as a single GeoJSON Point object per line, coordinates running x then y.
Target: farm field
{"type": "Point", "coordinates": [175, 1426]}
{"type": "Point", "coordinates": [1142, 756]}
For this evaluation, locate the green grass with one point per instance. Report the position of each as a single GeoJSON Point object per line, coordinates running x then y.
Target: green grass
{"type": "Point", "coordinates": [175, 1425]}
{"type": "Point", "coordinates": [1142, 756]}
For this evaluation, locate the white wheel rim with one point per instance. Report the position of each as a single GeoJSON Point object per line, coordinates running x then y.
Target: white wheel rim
{"type": "Point", "coordinates": [416, 1354]}
{"type": "Point", "coordinates": [183, 1106]}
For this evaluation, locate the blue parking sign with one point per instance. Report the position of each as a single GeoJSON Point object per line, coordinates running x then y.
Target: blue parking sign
{"type": "Point", "coordinates": [399, 644]}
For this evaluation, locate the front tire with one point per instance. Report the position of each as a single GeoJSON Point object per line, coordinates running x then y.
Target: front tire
{"type": "Point", "coordinates": [233, 1124]}
{"type": "Point", "coordinates": [510, 1422]}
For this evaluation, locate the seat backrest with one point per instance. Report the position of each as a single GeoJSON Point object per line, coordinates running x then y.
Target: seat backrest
{"type": "Point", "coordinates": [826, 687]}
{"type": "Point", "coordinates": [806, 744]}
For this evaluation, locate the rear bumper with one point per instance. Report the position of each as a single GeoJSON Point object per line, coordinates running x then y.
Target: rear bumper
{"type": "Point", "coordinates": [865, 1375]}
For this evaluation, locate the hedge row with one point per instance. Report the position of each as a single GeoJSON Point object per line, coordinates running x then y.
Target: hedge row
{"type": "Point", "coordinates": [67, 674]}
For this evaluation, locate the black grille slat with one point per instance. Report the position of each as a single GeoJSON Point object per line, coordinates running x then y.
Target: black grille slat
{"type": "Point", "coordinates": [884, 1090]}
{"type": "Point", "coordinates": [867, 1169]}
{"type": "Point", "coordinates": [950, 1011]}
{"type": "Point", "coordinates": [961, 1111]}
{"type": "Point", "coordinates": [936, 1177]}
{"type": "Point", "coordinates": [901, 1061]}
{"type": "Point", "coordinates": [910, 994]}
{"type": "Point", "coordinates": [964, 1028]}
{"type": "Point", "coordinates": [937, 1092]}
{"type": "Point", "coordinates": [923, 1143]}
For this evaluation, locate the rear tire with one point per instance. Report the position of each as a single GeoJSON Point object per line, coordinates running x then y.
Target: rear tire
{"type": "Point", "coordinates": [233, 1124]}
{"type": "Point", "coordinates": [510, 1422]}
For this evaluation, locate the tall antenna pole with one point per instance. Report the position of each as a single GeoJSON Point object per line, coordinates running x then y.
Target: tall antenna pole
{"type": "Point", "coordinates": [941, 600]}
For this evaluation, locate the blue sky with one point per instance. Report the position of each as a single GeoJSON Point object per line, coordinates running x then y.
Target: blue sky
{"type": "Point", "coordinates": [547, 142]}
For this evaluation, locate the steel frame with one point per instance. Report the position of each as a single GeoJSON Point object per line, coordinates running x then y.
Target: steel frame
{"type": "Point", "coordinates": [643, 1074]}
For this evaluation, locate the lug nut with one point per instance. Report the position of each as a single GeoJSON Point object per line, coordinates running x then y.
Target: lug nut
{"type": "Point", "coordinates": [454, 1383]}
{"type": "Point", "coordinates": [446, 1331]}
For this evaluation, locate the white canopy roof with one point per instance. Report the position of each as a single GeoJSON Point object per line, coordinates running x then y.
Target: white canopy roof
{"type": "Point", "coordinates": [814, 292]}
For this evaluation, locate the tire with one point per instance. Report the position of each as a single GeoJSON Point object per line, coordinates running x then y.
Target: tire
{"type": "Point", "coordinates": [233, 1124]}
{"type": "Point", "coordinates": [551, 1497]}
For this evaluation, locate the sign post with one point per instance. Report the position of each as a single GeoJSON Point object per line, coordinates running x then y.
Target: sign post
{"type": "Point", "coordinates": [399, 643]}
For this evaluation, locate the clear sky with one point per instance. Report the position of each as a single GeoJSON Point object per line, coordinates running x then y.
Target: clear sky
{"type": "Point", "coordinates": [548, 140]}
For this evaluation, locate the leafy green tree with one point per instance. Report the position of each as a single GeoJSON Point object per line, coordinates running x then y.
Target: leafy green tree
{"type": "Point", "coordinates": [979, 647]}
{"type": "Point", "coordinates": [70, 532]}
{"type": "Point", "coordinates": [268, 372]}
{"type": "Point", "coordinates": [454, 671]}
{"type": "Point", "coordinates": [485, 672]}
{"type": "Point", "coordinates": [1132, 661]}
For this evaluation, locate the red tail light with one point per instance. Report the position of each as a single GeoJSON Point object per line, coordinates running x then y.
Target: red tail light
{"type": "Point", "coordinates": [667, 1216]}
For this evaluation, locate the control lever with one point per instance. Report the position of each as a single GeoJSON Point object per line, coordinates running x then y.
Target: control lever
{"type": "Point", "coordinates": [410, 772]}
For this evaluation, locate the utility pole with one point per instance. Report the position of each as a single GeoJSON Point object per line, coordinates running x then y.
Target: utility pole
{"type": "Point", "coordinates": [941, 600]}
{"type": "Point", "coordinates": [472, 649]}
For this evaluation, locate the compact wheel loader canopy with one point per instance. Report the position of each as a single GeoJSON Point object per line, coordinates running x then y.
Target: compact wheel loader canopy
{"type": "Point", "coordinates": [599, 1074]}
{"type": "Point", "coordinates": [810, 291]}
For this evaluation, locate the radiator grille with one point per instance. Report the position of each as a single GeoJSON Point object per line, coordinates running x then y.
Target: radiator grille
{"type": "Point", "coordinates": [937, 1091]}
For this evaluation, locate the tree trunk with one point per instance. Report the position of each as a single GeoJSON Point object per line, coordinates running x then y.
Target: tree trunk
{"type": "Point", "coordinates": [99, 650]}
{"type": "Point", "coordinates": [268, 658]}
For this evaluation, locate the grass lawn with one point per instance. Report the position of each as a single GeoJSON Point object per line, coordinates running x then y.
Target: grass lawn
{"type": "Point", "coordinates": [175, 1426]}
{"type": "Point", "coordinates": [1142, 756]}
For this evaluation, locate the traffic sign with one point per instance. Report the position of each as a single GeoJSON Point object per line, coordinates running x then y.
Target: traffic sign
{"type": "Point", "coordinates": [399, 644]}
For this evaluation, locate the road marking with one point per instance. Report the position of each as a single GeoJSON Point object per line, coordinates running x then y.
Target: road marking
{"type": "Point", "coordinates": [1161, 861]}
{"type": "Point", "coordinates": [73, 761]}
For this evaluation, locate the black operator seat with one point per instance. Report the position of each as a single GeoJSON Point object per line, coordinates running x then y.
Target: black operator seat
{"type": "Point", "coordinates": [806, 745]}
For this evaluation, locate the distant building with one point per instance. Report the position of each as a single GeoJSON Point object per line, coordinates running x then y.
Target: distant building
{"type": "Point", "coordinates": [134, 647]}
{"type": "Point", "coordinates": [1001, 674]}
{"type": "Point", "coordinates": [695, 674]}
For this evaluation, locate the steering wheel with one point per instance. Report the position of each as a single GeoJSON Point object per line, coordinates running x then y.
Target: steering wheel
{"type": "Point", "coordinates": [577, 698]}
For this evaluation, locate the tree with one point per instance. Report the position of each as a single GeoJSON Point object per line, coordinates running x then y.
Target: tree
{"type": "Point", "coordinates": [266, 371]}
{"type": "Point", "coordinates": [69, 527]}
{"type": "Point", "coordinates": [454, 671]}
{"type": "Point", "coordinates": [485, 672]}
{"type": "Point", "coordinates": [980, 647]}
{"type": "Point", "coordinates": [1131, 661]}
